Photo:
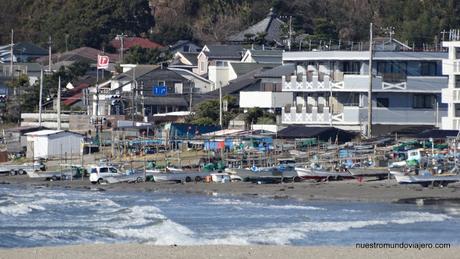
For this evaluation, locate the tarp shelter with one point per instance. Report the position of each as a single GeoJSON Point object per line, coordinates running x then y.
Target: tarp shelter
{"type": "Point", "coordinates": [322, 133]}
{"type": "Point", "coordinates": [436, 134]}
{"type": "Point", "coordinates": [53, 143]}
{"type": "Point", "coordinates": [185, 130]}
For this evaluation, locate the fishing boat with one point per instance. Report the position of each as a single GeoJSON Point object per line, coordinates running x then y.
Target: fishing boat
{"type": "Point", "coordinates": [53, 175]}
{"type": "Point", "coordinates": [318, 173]}
{"type": "Point", "coordinates": [179, 176]}
{"type": "Point", "coordinates": [378, 172]}
{"type": "Point", "coordinates": [426, 178]}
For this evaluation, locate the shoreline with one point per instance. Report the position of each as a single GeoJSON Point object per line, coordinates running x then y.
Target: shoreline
{"type": "Point", "coordinates": [349, 190]}
{"type": "Point", "coordinates": [114, 251]}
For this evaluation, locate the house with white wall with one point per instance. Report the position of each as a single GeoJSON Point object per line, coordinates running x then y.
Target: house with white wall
{"type": "Point", "coordinates": [213, 62]}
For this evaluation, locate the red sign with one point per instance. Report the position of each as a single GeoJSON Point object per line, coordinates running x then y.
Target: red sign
{"type": "Point", "coordinates": [102, 62]}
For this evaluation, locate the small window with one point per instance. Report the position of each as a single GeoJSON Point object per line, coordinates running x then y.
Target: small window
{"type": "Point", "coordinates": [103, 170]}
{"type": "Point", "coordinates": [202, 66]}
{"type": "Point", "coordinates": [113, 170]}
{"type": "Point", "coordinates": [423, 101]}
{"type": "Point", "coordinates": [383, 102]}
{"type": "Point", "coordinates": [161, 83]}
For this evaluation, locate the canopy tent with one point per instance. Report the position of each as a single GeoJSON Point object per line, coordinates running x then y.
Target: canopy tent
{"type": "Point", "coordinates": [321, 133]}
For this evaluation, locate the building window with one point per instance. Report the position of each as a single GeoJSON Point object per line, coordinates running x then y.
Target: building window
{"type": "Point", "coordinates": [423, 101]}
{"type": "Point", "coordinates": [220, 63]}
{"type": "Point", "coordinates": [428, 69]}
{"type": "Point", "coordinates": [161, 83]}
{"type": "Point", "coordinates": [202, 66]}
{"type": "Point", "coordinates": [383, 102]}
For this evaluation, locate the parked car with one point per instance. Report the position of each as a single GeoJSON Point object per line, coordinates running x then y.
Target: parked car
{"type": "Point", "coordinates": [98, 174]}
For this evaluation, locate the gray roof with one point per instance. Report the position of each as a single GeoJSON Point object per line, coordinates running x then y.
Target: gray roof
{"type": "Point", "coordinates": [140, 71]}
{"type": "Point", "coordinates": [191, 56]}
{"type": "Point", "coordinates": [30, 49]}
{"type": "Point", "coordinates": [267, 56]}
{"type": "Point", "coordinates": [270, 25]}
{"type": "Point", "coordinates": [224, 51]}
{"type": "Point", "coordinates": [242, 68]}
{"type": "Point", "coordinates": [278, 72]}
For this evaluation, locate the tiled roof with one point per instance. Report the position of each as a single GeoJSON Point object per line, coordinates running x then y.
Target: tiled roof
{"type": "Point", "coordinates": [130, 42]}
{"type": "Point", "coordinates": [278, 72]}
{"type": "Point", "coordinates": [224, 51]}
{"type": "Point", "coordinates": [270, 25]}
{"type": "Point", "coordinates": [72, 99]}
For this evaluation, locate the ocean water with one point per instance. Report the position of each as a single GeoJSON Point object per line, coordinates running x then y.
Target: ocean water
{"type": "Point", "coordinates": [43, 217]}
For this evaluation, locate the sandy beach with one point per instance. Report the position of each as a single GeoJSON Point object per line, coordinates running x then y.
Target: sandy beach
{"type": "Point", "coordinates": [350, 190]}
{"type": "Point", "coordinates": [212, 252]}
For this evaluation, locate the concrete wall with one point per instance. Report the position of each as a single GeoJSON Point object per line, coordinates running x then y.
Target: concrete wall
{"type": "Point", "coordinates": [264, 99]}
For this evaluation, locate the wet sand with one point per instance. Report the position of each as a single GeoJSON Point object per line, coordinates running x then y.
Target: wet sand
{"type": "Point", "coordinates": [350, 190]}
{"type": "Point", "coordinates": [256, 252]}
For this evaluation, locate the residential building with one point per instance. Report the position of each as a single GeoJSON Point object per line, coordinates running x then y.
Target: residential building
{"type": "Point", "coordinates": [184, 46]}
{"type": "Point", "coordinates": [185, 60]}
{"type": "Point", "coordinates": [268, 94]}
{"type": "Point", "coordinates": [129, 42]}
{"type": "Point", "coordinates": [214, 60]}
{"type": "Point", "coordinates": [269, 30]}
{"type": "Point", "coordinates": [263, 56]}
{"type": "Point", "coordinates": [330, 88]}
{"type": "Point", "coordinates": [451, 95]}
{"type": "Point", "coordinates": [83, 54]}
{"type": "Point", "coordinates": [139, 83]}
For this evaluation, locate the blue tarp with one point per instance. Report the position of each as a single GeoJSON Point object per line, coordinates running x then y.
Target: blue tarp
{"type": "Point", "coordinates": [185, 130]}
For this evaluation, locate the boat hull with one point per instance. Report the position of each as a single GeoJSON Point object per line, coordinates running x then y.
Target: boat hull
{"type": "Point", "coordinates": [369, 172]}
{"type": "Point", "coordinates": [308, 173]}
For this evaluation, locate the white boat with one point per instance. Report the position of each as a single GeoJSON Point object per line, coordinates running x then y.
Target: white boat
{"type": "Point", "coordinates": [225, 177]}
{"type": "Point", "coordinates": [313, 172]}
{"type": "Point", "coordinates": [179, 176]}
{"type": "Point", "coordinates": [426, 179]}
{"type": "Point", "coordinates": [55, 175]}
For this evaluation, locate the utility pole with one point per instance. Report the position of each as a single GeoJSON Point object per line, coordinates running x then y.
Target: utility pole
{"type": "Point", "coordinates": [290, 33]}
{"type": "Point", "coordinates": [133, 90]}
{"type": "Point", "coordinates": [12, 55]}
{"type": "Point", "coordinates": [369, 95]}
{"type": "Point", "coordinates": [40, 100]}
{"type": "Point", "coordinates": [59, 105]}
{"type": "Point", "coordinates": [191, 95]}
{"type": "Point", "coordinates": [49, 54]}
{"type": "Point", "coordinates": [97, 96]}
{"type": "Point", "coordinates": [121, 37]}
{"type": "Point", "coordinates": [220, 105]}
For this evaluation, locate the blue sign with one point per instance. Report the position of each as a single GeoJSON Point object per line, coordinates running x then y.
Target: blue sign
{"type": "Point", "coordinates": [160, 90]}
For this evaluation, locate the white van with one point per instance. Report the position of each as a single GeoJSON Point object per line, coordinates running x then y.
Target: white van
{"type": "Point", "coordinates": [99, 173]}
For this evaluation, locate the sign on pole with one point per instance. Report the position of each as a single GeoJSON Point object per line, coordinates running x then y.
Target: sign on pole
{"type": "Point", "coordinates": [102, 62]}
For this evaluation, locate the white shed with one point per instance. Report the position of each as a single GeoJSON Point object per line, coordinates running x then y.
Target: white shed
{"type": "Point", "coordinates": [53, 143]}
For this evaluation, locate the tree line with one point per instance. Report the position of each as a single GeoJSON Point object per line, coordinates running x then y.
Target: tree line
{"type": "Point", "coordinates": [76, 23]}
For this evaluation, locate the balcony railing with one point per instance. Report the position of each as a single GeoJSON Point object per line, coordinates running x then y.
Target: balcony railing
{"type": "Point", "coordinates": [352, 82]}
{"type": "Point", "coordinates": [350, 115]}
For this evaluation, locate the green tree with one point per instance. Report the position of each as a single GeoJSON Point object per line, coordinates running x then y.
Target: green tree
{"type": "Point", "coordinates": [207, 112]}
{"type": "Point", "coordinates": [138, 55]}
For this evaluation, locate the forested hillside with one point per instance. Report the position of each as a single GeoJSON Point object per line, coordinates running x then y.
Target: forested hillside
{"type": "Point", "coordinates": [75, 23]}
